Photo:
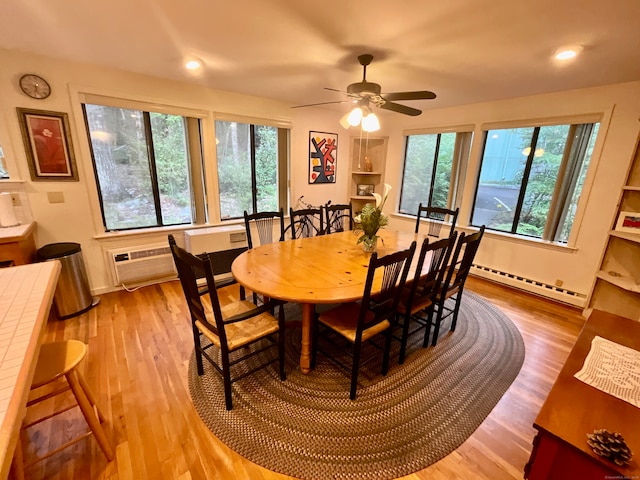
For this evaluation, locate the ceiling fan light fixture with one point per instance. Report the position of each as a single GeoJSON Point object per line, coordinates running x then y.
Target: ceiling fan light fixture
{"type": "Point", "coordinates": [370, 123]}
{"type": "Point", "coordinates": [355, 116]}
{"type": "Point", "coordinates": [344, 121]}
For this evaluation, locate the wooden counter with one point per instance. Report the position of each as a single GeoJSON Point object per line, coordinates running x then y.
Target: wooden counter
{"type": "Point", "coordinates": [26, 293]}
{"type": "Point", "coordinates": [17, 244]}
{"type": "Point", "coordinates": [573, 409]}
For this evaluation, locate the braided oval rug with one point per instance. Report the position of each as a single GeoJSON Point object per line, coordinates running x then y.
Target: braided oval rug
{"type": "Point", "coordinates": [307, 427]}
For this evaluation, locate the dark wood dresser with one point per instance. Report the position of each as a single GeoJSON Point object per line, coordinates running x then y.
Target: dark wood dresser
{"type": "Point", "coordinates": [573, 409]}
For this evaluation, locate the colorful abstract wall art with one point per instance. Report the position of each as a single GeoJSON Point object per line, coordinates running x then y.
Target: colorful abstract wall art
{"type": "Point", "coordinates": [323, 156]}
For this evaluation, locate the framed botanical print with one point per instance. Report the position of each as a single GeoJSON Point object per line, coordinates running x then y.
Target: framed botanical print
{"type": "Point", "coordinates": [48, 145]}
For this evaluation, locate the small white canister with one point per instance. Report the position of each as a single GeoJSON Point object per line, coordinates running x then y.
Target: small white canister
{"type": "Point", "coordinates": [7, 211]}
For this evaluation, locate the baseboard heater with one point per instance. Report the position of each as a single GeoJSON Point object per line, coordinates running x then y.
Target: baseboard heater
{"type": "Point", "coordinates": [142, 264]}
{"type": "Point", "coordinates": [532, 286]}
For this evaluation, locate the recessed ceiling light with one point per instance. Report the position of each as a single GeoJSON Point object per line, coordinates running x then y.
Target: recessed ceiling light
{"type": "Point", "coordinates": [193, 64]}
{"type": "Point", "coordinates": [567, 53]}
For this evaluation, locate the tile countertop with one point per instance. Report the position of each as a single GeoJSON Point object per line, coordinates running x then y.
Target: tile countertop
{"type": "Point", "coordinates": [26, 293]}
{"type": "Point", "coordinates": [17, 233]}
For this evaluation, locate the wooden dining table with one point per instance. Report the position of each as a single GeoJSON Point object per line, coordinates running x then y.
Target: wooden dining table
{"type": "Point", "coordinates": [319, 270]}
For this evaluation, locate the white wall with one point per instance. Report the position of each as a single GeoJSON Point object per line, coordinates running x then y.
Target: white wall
{"type": "Point", "coordinates": [78, 219]}
{"type": "Point", "coordinates": [539, 261]}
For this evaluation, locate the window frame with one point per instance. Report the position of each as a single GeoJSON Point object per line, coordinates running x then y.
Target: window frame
{"type": "Point", "coordinates": [203, 155]}
{"type": "Point", "coordinates": [460, 161]}
{"type": "Point", "coordinates": [194, 163]}
{"type": "Point", "coordinates": [565, 182]}
{"type": "Point", "coordinates": [283, 155]}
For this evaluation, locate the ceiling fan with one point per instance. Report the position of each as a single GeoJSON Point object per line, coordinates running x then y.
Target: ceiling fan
{"type": "Point", "coordinates": [366, 93]}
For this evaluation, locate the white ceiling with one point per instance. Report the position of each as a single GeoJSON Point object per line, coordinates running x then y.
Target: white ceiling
{"type": "Point", "coordinates": [466, 51]}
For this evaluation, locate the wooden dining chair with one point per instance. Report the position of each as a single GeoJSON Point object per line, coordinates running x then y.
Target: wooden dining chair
{"type": "Point", "coordinates": [339, 217]}
{"type": "Point", "coordinates": [233, 327]}
{"type": "Point", "coordinates": [375, 314]}
{"type": "Point", "coordinates": [264, 223]}
{"type": "Point", "coordinates": [453, 284]}
{"type": "Point", "coordinates": [305, 223]}
{"type": "Point", "coordinates": [57, 372]}
{"type": "Point", "coordinates": [436, 217]}
{"type": "Point", "coordinates": [222, 261]}
{"type": "Point", "coordinates": [417, 301]}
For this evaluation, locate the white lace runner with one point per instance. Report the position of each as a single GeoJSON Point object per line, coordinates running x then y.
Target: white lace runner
{"type": "Point", "coordinates": [614, 369]}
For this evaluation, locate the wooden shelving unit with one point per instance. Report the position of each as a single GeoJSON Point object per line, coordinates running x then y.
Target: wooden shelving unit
{"type": "Point", "coordinates": [616, 288]}
{"type": "Point", "coordinates": [361, 148]}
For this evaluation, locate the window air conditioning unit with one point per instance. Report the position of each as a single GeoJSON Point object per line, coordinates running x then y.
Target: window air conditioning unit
{"type": "Point", "coordinates": [142, 264]}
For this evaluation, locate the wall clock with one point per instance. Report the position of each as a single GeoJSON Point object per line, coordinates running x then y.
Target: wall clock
{"type": "Point", "coordinates": [35, 86]}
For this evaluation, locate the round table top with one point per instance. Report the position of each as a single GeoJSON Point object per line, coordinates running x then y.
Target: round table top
{"type": "Point", "coordinates": [325, 269]}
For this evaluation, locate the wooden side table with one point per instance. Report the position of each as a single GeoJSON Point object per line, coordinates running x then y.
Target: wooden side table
{"type": "Point", "coordinates": [573, 409]}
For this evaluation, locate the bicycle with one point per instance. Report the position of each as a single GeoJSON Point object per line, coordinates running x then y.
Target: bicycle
{"type": "Point", "coordinates": [307, 220]}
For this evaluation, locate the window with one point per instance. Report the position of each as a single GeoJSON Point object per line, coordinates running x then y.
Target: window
{"type": "Point", "coordinates": [429, 166]}
{"type": "Point", "coordinates": [531, 179]}
{"type": "Point", "coordinates": [142, 167]}
{"type": "Point", "coordinates": [251, 160]}
{"type": "Point", "coordinates": [3, 168]}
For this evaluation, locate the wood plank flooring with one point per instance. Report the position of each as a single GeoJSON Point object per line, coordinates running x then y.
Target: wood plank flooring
{"type": "Point", "coordinates": [139, 347]}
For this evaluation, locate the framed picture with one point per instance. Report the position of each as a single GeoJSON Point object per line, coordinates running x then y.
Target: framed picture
{"type": "Point", "coordinates": [628, 222]}
{"type": "Point", "coordinates": [365, 190]}
{"type": "Point", "coordinates": [48, 146]}
{"type": "Point", "coordinates": [323, 154]}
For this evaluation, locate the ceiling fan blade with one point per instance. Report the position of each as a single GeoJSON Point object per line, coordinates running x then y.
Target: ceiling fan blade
{"type": "Point", "coordinates": [321, 103]}
{"type": "Point", "coordinates": [352, 95]}
{"type": "Point", "coordinates": [396, 107]}
{"type": "Point", "coordinates": [424, 95]}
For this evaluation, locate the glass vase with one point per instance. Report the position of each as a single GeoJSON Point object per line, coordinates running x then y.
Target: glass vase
{"type": "Point", "coordinates": [370, 244]}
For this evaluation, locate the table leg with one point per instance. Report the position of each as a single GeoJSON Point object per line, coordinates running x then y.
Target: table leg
{"type": "Point", "coordinates": [307, 324]}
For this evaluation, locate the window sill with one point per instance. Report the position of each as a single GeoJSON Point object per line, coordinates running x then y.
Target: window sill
{"type": "Point", "coordinates": [164, 230]}
{"type": "Point", "coordinates": [517, 239]}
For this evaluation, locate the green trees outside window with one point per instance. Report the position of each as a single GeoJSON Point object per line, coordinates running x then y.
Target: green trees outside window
{"type": "Point", "coordinates": [531, 179]}
{"type": "Point", "coordinates": [142, 166]}
{"type": "Point", "coordinates": [427, 171]}
{"type": "Point", "coordinates": [247, 159]}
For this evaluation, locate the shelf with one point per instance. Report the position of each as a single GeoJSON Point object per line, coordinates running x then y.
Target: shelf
{"type": "Point", "coordinates": [625, 282]}
{"type": "Point", "coordinates": [631, 237]}
{"type": "Point", "coordinates": [363, 197]}
{"type": "Point", "coordinates": [372, 148]}
{"type": "Point", "coordinates": [620, 293]}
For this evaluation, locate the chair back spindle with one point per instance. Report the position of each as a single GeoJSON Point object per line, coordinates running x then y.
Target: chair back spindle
{"type": "Point", "coordinates": [437, 217]}
{"type": "Point", "coordinates": [264, 223]}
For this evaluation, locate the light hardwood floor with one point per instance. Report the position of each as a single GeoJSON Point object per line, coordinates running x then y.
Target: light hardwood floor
{"type": "Point", "coordinates": [139, 347]}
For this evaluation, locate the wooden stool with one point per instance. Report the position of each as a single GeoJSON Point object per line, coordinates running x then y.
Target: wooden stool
{"type": "Point", "coordinates": [60, 359]}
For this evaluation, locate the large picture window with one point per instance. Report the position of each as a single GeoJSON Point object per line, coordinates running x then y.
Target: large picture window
{"type": "Point", "coordinates": [531, 179]}
{"type": "Point", "coordinates": [249, 159]}
{"type": "Point", "coordinates": [429, 166]}
{"type": "Point", "coordinates": [142, 167]}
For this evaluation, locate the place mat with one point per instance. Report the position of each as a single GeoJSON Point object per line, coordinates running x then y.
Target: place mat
{"type": "Point", "coordinates": [613, 369]}
{"type": "Point", "coordinates": [307, 427]}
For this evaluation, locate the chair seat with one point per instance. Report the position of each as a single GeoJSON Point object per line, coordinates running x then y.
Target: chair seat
{"type": "Point", "coordinates": [417, 305]}
{"type": "Point", "coordinates": [56, 360]}
{"type": "Point", "coordinates": [451, 292]}
{"type": "Point", "coordinates": [344, 320]}
{"type": "Point", "coordinates": [241, 333]}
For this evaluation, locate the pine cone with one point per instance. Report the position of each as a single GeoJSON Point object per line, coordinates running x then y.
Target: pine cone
{"type": "Point", "coordinates": [609, 445]}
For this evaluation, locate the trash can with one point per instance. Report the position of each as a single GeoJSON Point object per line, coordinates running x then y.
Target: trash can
{"type": "Point", "coordinates": [72, 296]}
